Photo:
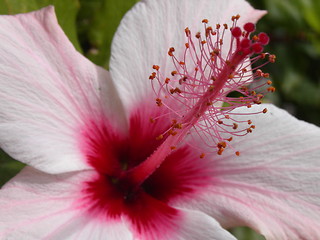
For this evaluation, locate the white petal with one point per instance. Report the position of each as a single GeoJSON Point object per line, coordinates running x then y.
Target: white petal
{"type": "Point", "coordinates": [199, 226]}
{"type": "Point", "coordinates": [37, 205]}
{"type": "Point", "coordinates": [273, 186]}
{"type": "Point", "coordinates": [152, 27]}
{"type": "Point", "coordinates": [48, 92]}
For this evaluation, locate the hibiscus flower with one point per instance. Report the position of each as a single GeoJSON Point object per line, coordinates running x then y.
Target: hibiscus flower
{"type": "Point", "coordinates": [128, 155]}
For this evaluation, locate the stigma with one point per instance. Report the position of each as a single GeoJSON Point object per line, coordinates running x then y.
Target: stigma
{"type": "Point", "coordinates": [212, 76]}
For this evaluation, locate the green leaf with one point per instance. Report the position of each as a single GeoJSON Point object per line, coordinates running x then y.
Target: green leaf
{"type": "Point", "coordinates": [8, 167]}
{"type": "Point", "coordinates": [245, 233]}
{"type": "Point", "coordinates": [66, 12]}
{"type": "Point", "coordinates": [98, 21]}
{"type": "Point", "coordinates": [310, 10]}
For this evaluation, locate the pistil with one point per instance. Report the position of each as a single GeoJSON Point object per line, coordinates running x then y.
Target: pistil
{"type": "Point", "coordinates": [195, 92]}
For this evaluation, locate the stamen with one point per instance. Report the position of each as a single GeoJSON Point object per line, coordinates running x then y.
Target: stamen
{"type": "Point", "coordinates": [214, 77]}
{"type": "Point", "coordinates": [204, 75]}
{"type": "Point", "coordinates": [151, 120]}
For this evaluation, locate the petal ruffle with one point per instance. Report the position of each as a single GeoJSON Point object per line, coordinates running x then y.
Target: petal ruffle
{"type": "Point", "coordinates": [48, 92]}
{"type": "Point", "coordinates": [152, 27]}
{"type": "Point", "coordinates": [36, 205]}
{"type": "Point", "coordinates": [273, 186]}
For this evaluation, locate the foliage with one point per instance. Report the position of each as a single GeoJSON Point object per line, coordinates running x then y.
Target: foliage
{"type": "Point", "coordinates": [293, 26]}
{"type": "Point", "coordinates": [66, 13]}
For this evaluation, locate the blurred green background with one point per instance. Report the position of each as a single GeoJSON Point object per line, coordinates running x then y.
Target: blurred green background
{"type": "Point", "coordinates": [293, 26]}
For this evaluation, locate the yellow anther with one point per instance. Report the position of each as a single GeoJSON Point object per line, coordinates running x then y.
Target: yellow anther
{"type": "Point", "coordinates": [236, 17]}
{"type": "Point", "coordinates": [174, 73]}
{"type": "Point", "coordinates": [159, 102]}
{"type": "Point", "coordinates": [173, 133]}
{"type": "Point", "coordinates": [220, 151]}
{"type": "Point", "coordinates": [222, 145]}
{"type": "Point", "coordinates": [259, 73]}
{"type": "Point", "coordinates": [171, 50]}
{"type": "Point", "coordinates": [152, 76]}
{"type": "Point", "coordinates": [262, 55]}
{"type": "Point", "coordinates": [187, 31]}
{"type": "Point", "coordinates": [213, 78]}
{"type": "Point", "coordinates": [272, 58]}
{"type": "Point", "coordinates": [156, 67]}
{"type": "Point", "coordinates": [159, 137]}
{"type": "Point", "coordinates": [255, 38]}
{"type": "Point", "coordinates": [208, 31]}
{"type": "Point", "coordinates": [176, 90]}
{"type": "Point", "coordinates": [229, 139]}
{"type": "Point", "coordinates": [182, 80]}
{"type": "Point", "coordinates": [271, 89]}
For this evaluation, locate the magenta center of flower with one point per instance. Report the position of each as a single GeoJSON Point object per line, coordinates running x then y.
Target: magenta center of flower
{"type": "Point", "coordinates": [112, 194]}
{"type": "Point", "coordinates": [139, 173]}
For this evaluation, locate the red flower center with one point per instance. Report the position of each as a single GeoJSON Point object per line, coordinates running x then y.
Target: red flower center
{"type": "Point", "coordinates": [111, 195]}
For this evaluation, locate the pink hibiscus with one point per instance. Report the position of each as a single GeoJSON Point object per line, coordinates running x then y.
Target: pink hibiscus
{"type": "Point", "coordinates": [128, 155]}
